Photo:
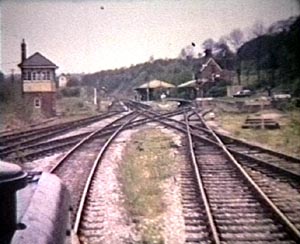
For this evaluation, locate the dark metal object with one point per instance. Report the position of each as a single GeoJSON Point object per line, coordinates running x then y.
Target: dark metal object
{"type": "Point", "coordinates": [12, 178]}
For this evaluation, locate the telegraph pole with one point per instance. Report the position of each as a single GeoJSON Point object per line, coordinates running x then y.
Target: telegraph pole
{"type": "Point", "coordinates": [12, 78]}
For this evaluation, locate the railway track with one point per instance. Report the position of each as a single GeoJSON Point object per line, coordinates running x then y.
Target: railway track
{"type": "Point", "coordinates": [238, 208]}
{"type": "Point", "coordinates": [88, 214]}
{"type": "Point", "coordinates": [75, 167]}
{"type": "Point", "coordinates": [268, 156]}
{"type": "Point", "coordinates": [29, 137]}
{"type": "Point", "coordinates": [30, 151]}
{"type": "Point", "coordinates": [272, 164]}
{"type": "Point", "coordinates": [227, 196]}
{"type": "Point", "coordinates": [34, 151]}
{"type": "Point", "coordinates": [275, 184]}
{"type": "Point", "coordinates": [269, 161]}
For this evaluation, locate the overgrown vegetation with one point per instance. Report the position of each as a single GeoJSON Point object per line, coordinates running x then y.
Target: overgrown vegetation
{"type": "Point", "coordinates": [272, 59]}
{"type": "Point", "coordinates": [14, 110]}
{"type": "Point", "coordinates": [268, 61]}
{"type": "Point", "coordinates": [147, 163]}
{"type": "Point", "coordinates": [285, 139]}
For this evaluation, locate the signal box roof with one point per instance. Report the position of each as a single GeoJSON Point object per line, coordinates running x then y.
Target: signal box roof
{"type": "Point", "coordinates": [37, 60]}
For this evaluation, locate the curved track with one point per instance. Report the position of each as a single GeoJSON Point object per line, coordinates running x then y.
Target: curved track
{"type": "Point", "coordinates": [228, 194]}
{"type": "Point", "coordinates": [227, 186]}
{"type": "Point", "coordinates": [75, 167]}
{"type": "Point", "coordinates": [13, 142]}
{"type": "Point", "coordinates": [236, 202]}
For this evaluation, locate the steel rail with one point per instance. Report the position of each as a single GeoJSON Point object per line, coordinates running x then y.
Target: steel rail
{"type": "Point", "coordinates": [268, 150]}
{"type": "Point", "coordinates": [183, 130]}
{"type": "Point", "coordinates": [281, 216]}
{"type": "Point", "coordinates": [211, 222]}
{"type": "Point", "coordinates": [48, 132]}
{"type": "Point", "coordinates": [80, 143]}
{"type": "Point", "coordinates": [69, 141]}
{"type": "Point", "coordinates": [267, 201]}
{"type": "Point", "coordinates": [266, 164]}
{"type": "Point", "coordinates": [92, 172]}
{"type": "Point", "coordinates": [206, 130]}
{"type": "Point", "coordinates": [258, 160]}
{"type": "Point", "coordinates": [227, 137]}
{"type": "Point", "coordinates": [79, 122]}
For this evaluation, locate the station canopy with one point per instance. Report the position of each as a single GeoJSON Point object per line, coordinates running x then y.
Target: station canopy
{"type": "Point", "coordinates": [156, 84]}
{"type": "Point", "coordinates": [191, 83]}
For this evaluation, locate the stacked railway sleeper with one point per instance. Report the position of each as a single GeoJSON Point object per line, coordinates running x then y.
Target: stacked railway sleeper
{"type": "Point", "coordinates": [240, 210]}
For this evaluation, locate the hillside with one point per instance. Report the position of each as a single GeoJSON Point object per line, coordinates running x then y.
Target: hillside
{"type": "Point", "coordinates": [271, 61]}
{"type": "Point", "coordinates": [267, 62]}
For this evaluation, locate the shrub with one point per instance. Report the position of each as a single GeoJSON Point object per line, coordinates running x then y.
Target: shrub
{"type": "Point", "coordinates": [71, 92]}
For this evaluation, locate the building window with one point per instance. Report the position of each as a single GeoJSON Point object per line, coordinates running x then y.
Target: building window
{"type": "Point", "coordinates": [43, 76]}
{"type": "Point", "coordinates": [28, 75]}
{"type": "Point", "coordinates": [33, 75]}
{"type": "Point", "coordinates": [37, 102]}
{"type": "Point", "coordinates": [47, 75]}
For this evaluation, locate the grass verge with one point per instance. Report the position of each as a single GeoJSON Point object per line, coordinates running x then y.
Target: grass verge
{"type": "Point", "coordinates": [286, 139]}
{"type": "Point", "coordinates": [146, 164]}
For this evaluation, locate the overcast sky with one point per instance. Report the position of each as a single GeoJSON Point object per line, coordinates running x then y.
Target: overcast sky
{"type": "Point", "coordinates": [89, 36]}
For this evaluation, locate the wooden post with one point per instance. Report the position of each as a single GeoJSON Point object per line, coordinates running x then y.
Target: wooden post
{"type": "Point", "coordinates": [262, 118]}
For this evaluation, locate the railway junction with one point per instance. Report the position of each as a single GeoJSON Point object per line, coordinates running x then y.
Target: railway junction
{"type": "Point", "coordinates": [73, 183]}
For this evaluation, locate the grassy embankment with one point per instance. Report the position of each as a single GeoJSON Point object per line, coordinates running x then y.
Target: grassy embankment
{"type": "Point", "coordinates": [286, 139]}
{"type": "Point", "coordinates": [15, 114]}
{"type": "Point", "coordinates": [148, 162]}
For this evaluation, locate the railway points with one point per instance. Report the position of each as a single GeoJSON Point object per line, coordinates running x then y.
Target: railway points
{"type": "Point", "coordinates": [208, 215]}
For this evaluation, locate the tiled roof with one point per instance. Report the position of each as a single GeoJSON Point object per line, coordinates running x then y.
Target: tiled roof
{"type": "Point", "coordinates": [37, 60]}
{"type": "Point", "coordinates": [210, 60]}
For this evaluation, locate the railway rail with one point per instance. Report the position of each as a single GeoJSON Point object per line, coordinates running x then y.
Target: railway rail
{"type": "Point", "coordinates": [11, 141]}
{"type": "Point", "coordinates": [232, 192]}
{"type": "Point", "coordinates": [268, 157]}
{"type": "Point", "coordinates": [238, 210]}
{"type": "Point", "coordinates": [33, 151]}
{"type": "Point", "coordinates": [276, 185]}
{"type": "Point", "coordinates": [74, 168]}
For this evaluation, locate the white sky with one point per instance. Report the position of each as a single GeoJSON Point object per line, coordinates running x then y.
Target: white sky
{"type": "Point", "coordinates": [79, 36]}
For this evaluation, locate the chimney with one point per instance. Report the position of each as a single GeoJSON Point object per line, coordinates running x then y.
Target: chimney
{"type": "Point", "coordinates": [23, 51]}
{"type": "Point", "coordinates": [208, 53]}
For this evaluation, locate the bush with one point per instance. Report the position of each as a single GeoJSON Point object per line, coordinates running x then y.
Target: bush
{"type": "Point", "coordinates": [71, 92]}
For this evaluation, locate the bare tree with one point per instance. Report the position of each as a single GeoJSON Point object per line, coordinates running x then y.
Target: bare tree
{"type": "Point", "coordinates": [258, 29]}
{"type": "Point", "coordinates": [187, 53]}
{"type": "Point", "coordinates": [236, 39]}
{"type": "Point", "coordinates": [208, 44]}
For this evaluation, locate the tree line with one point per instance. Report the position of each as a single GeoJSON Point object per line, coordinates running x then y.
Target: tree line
{"type": "Point", "coordinates": [262, 58]}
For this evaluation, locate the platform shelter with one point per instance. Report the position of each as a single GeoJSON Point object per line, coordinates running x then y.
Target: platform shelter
{"type": "Point", "coordinates": [152, 90]}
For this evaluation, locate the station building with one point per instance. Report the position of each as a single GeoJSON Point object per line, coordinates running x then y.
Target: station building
{"type": "Point", "coordinates": [208, 74]}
